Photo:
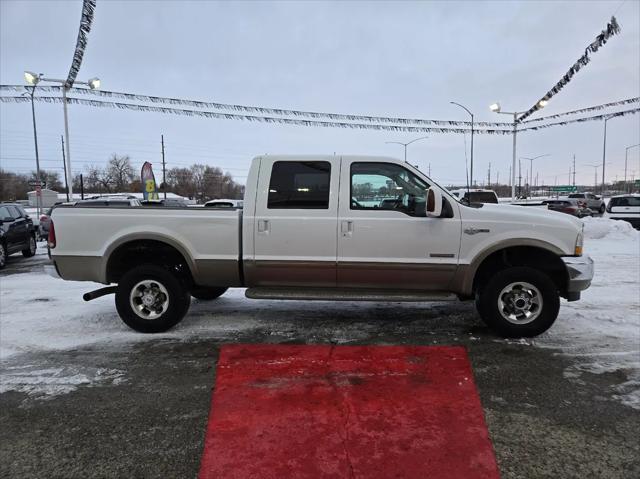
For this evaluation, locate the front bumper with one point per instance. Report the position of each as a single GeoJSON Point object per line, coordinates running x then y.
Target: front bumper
{"type": "Point", "coordinates": [580, 272]}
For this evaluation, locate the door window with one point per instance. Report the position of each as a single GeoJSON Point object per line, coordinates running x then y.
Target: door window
{"type": "Point", "coordinates": [387, 186]}
{"type": "Point", "coordinates": [299, 185]}
{"type": "Point", "coordinates": [4, 213]}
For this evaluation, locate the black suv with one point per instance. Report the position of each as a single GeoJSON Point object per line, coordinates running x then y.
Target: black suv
{"type": "Point", "coordinates": [16, 232]}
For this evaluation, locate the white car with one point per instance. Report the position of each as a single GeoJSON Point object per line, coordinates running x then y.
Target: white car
{"type": "Point", "coordinates": [626, 208]}
{"type": "Point", "coordinates": [309, 231]}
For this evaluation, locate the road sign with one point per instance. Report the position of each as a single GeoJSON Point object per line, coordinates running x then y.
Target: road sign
{"type": "Point", "coordinates": [34, 184]}
{"type": "Point", "coordinates": [564, 188]}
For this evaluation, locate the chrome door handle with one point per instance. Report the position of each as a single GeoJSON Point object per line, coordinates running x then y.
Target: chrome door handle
{"type": "Point", "coordinates": [346, 228]}
{"type": "Point", "coordinates": [263, 226]}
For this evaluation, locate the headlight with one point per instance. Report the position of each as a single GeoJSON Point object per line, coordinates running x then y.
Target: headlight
{"type": "Point", "coordinates": [579, 242]}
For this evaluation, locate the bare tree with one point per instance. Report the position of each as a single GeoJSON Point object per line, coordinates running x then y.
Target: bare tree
{"type": "Point", "coordinates": [120, 172]}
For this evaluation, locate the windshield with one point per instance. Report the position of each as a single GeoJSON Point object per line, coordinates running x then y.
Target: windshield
{"type": "Point", "coordinates": [576, 195]}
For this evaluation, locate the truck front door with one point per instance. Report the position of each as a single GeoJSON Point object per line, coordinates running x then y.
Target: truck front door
{"type": "Point", "coordinates": [385, 240]}
{"type": "Point", "coordinates": [295, 224]}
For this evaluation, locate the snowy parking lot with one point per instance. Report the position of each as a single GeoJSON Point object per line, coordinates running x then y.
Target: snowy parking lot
{"type": "Point", "coordinates": [75, 378]}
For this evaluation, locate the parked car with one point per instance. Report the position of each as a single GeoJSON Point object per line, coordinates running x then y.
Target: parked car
{"type": "Point", "coordinates": [308, 235]}
{"type": "Point", "coordinates": [17, 233]}
{"type": "Point", "coordinates": [626, 208]}
{"type": "Point", "coordinates": [168, 202]}
{"type": "Point", "coordinates": [591, 201]}
{"type": "Point", "coordinates": [224, 204]}
{"type": "Point", "coordinates": [476, 195]}
{"type": "Point", "coordinates": [107, 201]}
{"type": "Point", "coordinates": [570, 206]}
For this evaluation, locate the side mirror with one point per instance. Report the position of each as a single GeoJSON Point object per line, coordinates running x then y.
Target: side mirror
{"type": "Point", "coordinates": [434, 203]}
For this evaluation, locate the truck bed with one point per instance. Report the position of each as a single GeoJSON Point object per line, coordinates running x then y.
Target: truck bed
{"type": "Point", "coordinates": [208, 238]}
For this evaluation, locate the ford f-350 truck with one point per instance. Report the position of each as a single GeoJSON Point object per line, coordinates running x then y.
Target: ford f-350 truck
{"type": "Point", "coordinates": [328, 228]}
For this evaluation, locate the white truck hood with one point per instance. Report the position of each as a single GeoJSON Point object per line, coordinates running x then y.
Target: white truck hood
{"type": "Point", "coordinates": [528, 222]}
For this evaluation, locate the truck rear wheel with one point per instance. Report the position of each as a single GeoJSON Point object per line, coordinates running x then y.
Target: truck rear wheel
{"type": "Point", "coordinates": [150, 299]}
{"type": "Point", "coordinates": [207, 294]}
{"type": "Point", "coordinates": [519, 302]}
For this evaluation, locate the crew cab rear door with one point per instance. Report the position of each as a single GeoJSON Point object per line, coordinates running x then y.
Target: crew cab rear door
{"type": "Point", "coordinates": [385, 240]}
{"type": "Point", "coordinates": [295, 223]}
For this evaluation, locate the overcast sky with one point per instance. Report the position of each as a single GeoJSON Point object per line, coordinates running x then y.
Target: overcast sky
{"type": "Point", "coordinates": [388, 59]}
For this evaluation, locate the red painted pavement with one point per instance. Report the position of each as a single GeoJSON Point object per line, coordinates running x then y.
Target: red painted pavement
{"type": "Point", "coordinates": [282, 411]}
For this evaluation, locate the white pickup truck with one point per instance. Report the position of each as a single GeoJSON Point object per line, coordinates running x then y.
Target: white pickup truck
{"type": "Point", "coordinates": [328, 228]}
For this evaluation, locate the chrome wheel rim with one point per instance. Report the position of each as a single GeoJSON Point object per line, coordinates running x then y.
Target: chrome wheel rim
{"type": "Point", "coordinates": [149, 299]}
{"type": "Point", "coordinates": [520, 303]}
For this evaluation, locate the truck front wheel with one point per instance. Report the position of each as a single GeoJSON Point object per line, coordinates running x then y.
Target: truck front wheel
{"type": "Point", "coordinates": [519, 302]}
{"type": "Point", "coordinates": [150, 299]}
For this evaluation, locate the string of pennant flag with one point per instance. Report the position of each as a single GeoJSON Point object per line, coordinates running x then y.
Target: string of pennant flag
{"type": "Point", "coordinates": [610, 30]}
{"type": "Point", "coordinates": [335, 124]}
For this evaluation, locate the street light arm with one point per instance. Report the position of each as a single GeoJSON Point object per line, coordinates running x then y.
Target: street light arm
{"type": "Point", "coordinates": [417, 139]}
{"type": "Point", "coordinates": [462, 106]}
{"type": "Point", "coordinates": [397, 143]}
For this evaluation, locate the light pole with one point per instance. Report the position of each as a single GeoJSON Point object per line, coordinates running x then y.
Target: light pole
{"type": "Point", "coordinates": [604, 151]}
{"type": "Point", "coordinates": [35, 142]}
{"type": "Point", "coordinates": [626, 157]}
{"type": "Point", "coordinates": [531, 168]}
{"type": "Point", "coordinates": [595, 177]}
{"type": "Point", "coordinates": [407, 144]}
{"type": "Point", "coordinates": [496, 108]}
{"type": "Point", "coordinates": [470, 114]}
{"type": "Point", "coordinates": [93, 83]}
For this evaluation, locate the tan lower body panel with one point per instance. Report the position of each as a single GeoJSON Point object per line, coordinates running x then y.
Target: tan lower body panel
{"type": "Point", "coordinates": [405, 276]}
{"type": "Point", "coordinates": [80, 268]}
{"type": "Point", "coordinates": [217, 272]}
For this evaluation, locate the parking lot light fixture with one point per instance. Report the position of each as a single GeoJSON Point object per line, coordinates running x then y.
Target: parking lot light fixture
{"type": "Point", "coordinates": [495, 107]}
{"type": "Point", "coordinates": [406, 144]}
{"type": "Point", "coordinates": [32, 78]}
{"type": "Point", "coordinates": [543, 103]}
{"type": "Point", "coordinates": [93, 83]}
{"type": "Point", "coordinates": [470, 114]}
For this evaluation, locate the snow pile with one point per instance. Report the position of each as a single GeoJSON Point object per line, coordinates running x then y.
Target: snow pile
{"type": "Point", "coordinates": [601, 228]}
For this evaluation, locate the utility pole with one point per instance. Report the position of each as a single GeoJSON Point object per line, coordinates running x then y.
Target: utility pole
{"type": "Point", "coordinates": [64, 164]}
{"type": "Point", "coordinates": [574, 170]}
{"type": "Point", "coordinates": [164, 184]}
{"type": "Point", "coordinates": [81, 187]}
{"type": "Point", "coordinates": [510, 179]}
{"type": "Point", "coordinates": [429, 170]}
{"type": "Point", "coordinates": [519, 178]}
{"type": "Point", "coordinates": [604, 152]}
{"type": "Point", "coordinates": [489, 176]}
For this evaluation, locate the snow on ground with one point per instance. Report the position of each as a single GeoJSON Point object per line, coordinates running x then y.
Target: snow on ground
{"type": "Point", "coordinates": [602, 330]}
{"type": "Point", "coordinates": [40, 314]}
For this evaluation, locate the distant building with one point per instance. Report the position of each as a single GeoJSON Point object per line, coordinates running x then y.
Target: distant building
{"type": "Point", "coordinates": [49, 198]}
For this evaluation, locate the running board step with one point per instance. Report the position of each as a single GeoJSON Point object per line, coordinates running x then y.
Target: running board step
{"type": "Point", "coordinates": [341, 294]}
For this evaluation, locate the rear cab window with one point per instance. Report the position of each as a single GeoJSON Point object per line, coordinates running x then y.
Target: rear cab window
{"type": "Point", "coordinates": [299, 185]}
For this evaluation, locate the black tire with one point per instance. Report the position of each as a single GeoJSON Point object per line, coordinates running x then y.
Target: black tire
{"type": "Point", "coordinates": [602, 209]}
{"type": "Point", "coordinates": [3, 255]}
{"type": "Point", "coordinates": [487, 302]}
{"type": "Point", "coordinates": [31, 250]}
{"type": "Point", "coordinates": [177, 299]}
{"type": "Point", "coordinates": [207, 294]}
